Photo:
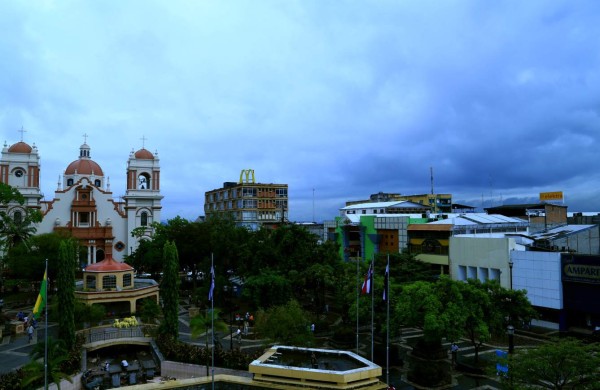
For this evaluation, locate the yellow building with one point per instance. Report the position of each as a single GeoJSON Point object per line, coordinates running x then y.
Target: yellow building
{"type": "Point", "coordinates": [111, 282]}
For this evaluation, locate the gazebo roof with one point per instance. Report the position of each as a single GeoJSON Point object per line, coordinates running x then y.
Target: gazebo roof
{"type": "Point", "coordinates": [108, 265]}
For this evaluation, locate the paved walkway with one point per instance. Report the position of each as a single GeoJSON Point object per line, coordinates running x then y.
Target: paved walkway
{"type": "Point", "coordinates": [15, 349]}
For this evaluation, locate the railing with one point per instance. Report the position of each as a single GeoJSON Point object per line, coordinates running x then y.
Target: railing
{"type": "Point", "coordinates": [108, 333]}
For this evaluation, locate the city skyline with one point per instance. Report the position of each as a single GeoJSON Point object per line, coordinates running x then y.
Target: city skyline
{"type": "Point", "coordinates": [339, 101]}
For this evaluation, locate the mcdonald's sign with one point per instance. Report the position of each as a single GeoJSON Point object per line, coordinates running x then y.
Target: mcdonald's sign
{"type": "Point", "coordinates": [248, 175]}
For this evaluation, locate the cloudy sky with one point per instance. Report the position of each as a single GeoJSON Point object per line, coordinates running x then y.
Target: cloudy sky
{"type": "Point", "coordinates": [338, 99]}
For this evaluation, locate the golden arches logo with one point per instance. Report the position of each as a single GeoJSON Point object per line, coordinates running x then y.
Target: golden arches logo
{"type": "Point", "coordinates": [248, 174]}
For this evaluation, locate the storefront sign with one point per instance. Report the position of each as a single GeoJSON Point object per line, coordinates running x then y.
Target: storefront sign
{"type": "Point", "coordinates": [550, 196]}
{"type": "Point", "coordinates": [579, 269]}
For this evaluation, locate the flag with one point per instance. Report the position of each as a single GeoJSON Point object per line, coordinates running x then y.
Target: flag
{"type": "Point", "coordinates": [366, 287]}
{"type": "Point", "coordinates": [212, 283]}
{"type": "Point", "coordinates": [386, 281]}
{"type": "Point", "coordinates": [41, 299]}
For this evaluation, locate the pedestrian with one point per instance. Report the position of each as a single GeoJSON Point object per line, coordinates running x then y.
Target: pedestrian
{"type": "Point", "coordinates": [30, 332]}
{"type": "Point", "coordinates": [238, 335]}
{"type": "Point", "coordinates": [454, 350]}
{"type": "Point", "coordinates": [246, 328]}
{"type": "Point", "coordinates": [312, 328]}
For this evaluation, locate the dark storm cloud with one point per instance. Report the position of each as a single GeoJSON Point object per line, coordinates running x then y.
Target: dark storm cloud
{"type": "Point", "coordinates": [339, 100]}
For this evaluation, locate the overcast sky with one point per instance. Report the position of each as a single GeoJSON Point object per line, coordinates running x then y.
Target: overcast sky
{"type": "Point", "coordinates": [338, 99]}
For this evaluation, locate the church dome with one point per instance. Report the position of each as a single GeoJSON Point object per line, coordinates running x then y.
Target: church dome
{"type": "Point", "coordinates": [108, 265]}
{"type": "Point", "coordinates": [144, 154]}
{"type": "Point", "coordinates": [84, 167]}
{"type": "Point", "coordinates": [20, 147]}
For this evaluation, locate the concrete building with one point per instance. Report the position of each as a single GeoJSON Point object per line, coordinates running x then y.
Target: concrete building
{"type": "Point", "coordinates": [83, 204]}
{"type": "Point", "coordinates": [430, 242]}
{"type": "Point", "coordinates": [541, 216]}
{"type": "Point", "coordinates": [538, 263]}
{"type": "Point", "coordinates": [251, 204]}
{"type": "Point", "coordinates": [437, 203]}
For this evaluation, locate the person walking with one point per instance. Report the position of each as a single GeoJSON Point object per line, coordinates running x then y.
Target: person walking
{"type": "Point", "coordinates": [30, 332]}
{"type": "Point", "coordinates": [454, 351]}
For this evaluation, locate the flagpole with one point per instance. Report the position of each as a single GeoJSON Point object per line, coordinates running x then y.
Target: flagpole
{"type": "Point", "coordinates": [387, 336]}
{"type": "Point", "coordinates": [212, 320]}
{"type": "Point", "coordinates": [358, 287]}
{"type": "Point", "coordinates": [372, 303]}
{"type": "Point", "coordinates": [46, 332]}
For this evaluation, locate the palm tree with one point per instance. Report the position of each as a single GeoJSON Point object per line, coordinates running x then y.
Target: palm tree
{"type": "Point", "coordinates": [34, 370]}
{"type": "Point", "coordinates": [203, 322]}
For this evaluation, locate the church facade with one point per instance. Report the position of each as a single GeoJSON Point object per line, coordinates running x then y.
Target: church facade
{"type": "Point", "coordinates": [83, 204]}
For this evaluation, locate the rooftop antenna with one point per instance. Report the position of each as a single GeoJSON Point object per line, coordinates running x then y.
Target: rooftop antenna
{"type": "Point", "coordinates": [435, 209]}
{"type": "Point", "coordinates": [314, 220]}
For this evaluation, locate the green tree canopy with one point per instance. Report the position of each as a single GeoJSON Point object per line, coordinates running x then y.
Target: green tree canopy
{"type": "Point", "coordinates": [287, 324]}
{"type": "Point", "coordinates": [560, 364]}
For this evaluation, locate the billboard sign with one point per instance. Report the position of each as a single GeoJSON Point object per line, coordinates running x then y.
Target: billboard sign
{"type": "Point", "coordinates": [551, 196]}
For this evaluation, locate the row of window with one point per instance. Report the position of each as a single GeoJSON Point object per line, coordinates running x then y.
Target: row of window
{"type": "Point", "coordinates": [108, 281]}
{"type": "Point", "coordinates": [247, 192]}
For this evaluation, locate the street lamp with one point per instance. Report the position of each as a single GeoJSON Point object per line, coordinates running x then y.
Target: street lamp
{"type": "Point", "coordinates": [510, 267]}
{"type": "Point", "coordinates": [511, 333]}
{"type": "Point", "coordinates": [226, 288]}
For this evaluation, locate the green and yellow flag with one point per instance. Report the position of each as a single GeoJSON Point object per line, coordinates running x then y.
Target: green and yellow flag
{"type": "Point", "coordinates": [41, 299]}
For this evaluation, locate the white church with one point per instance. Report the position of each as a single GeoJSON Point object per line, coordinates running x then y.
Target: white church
{"type": "Point", "coordinates": [83, 203]}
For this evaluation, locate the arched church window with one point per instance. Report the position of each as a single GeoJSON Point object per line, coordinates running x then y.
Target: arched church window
{"type": "Point", "coordinates": [70, 182]}
{"type": "Point", "coordinates": [97, 183]}
{"type": "Point", "coordinates": [18, 217]}
{"type": "Point", "coordinates": [144, 219]}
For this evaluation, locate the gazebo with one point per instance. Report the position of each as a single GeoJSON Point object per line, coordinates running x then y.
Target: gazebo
{"type": "Point", "coordinates": [110, 281]}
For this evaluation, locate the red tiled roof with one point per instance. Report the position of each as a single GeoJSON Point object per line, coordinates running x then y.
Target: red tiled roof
{"type": "Point", "coordinates": [108, 265]}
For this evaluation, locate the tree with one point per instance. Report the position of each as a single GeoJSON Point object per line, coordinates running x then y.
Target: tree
{"type": "Point", "coordinates": [16, 220]}
{"type": "Point", "coordinates": [560, 364]}
{"type": "Point", "coordinates": [169, 290]}
{"type": "Point", "coordinates": [267, 289]}
{"type": "Point", "coordinates": [34, 370]}
{"type": "Point", "coordinates": [287, 324]}
{"type": "Point", "coordinates": [66, 291]}
{"type": "Point", "coordinates": [205, 321]}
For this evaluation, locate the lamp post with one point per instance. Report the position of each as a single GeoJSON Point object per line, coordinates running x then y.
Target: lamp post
{"type": "Point", "coordinates": [510, 267]}
{"type": "Point", "coordinates": [511, 333]}
{"type": "Point", "coordinates": [226, 288]}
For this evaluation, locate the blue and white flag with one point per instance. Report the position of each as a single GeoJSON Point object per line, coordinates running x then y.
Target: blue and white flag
{"type": "Point", "coordinates": [212, 283]}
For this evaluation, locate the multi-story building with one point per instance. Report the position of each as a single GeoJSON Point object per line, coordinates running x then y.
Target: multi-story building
{"type": "Point", "coordinates": [249, 203]}
{"type": "Point", "coordinates": [83, 205]}
{"type": "Point", "coordinates": [438, 203]}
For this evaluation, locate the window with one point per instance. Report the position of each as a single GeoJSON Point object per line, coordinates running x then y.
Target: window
{"type": "Point", "coordinates": [18, 217]}
{"type": "Point", "coordinates": [90, 281]}
{"type": "Point", "coordinates": [144, 219]}
{"type": "Point", "coordinates": [84, 219]}
{"type": "Point", "coordinates": [69, 182]}
{"type": "Point", "coordinates": [109, 281]}
{"type": "Point", "coordinates": [97, 183]}
{"type": "Point", "coordinates": [281, 192]}
{"type": "Point", "coordinates": [462, 272]}
{"type": "Point", "coordinates": [126, 280]}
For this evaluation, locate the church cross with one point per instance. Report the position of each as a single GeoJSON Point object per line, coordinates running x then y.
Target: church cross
{"type": "Point", "coordinates": [22, 131]}
{"type": "Point", "coordinates": [144, 139]}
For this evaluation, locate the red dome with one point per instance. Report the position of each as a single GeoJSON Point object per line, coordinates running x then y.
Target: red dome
{"type": "Point", "coordinates": [144, 154]}
{"type": "Point", "coordinates": [84, 167]}
{"type": "Point", "coordinates": [108, 265]}
{"type": "Point", "coordinates": [20, 147]}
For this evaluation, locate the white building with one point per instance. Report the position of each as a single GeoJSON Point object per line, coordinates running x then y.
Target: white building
{"type": "Point", "coordinates": [83, 205]}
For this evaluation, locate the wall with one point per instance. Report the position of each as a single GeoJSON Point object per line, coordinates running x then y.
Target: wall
{"type": "Point", "coordinates": [540, 274]}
